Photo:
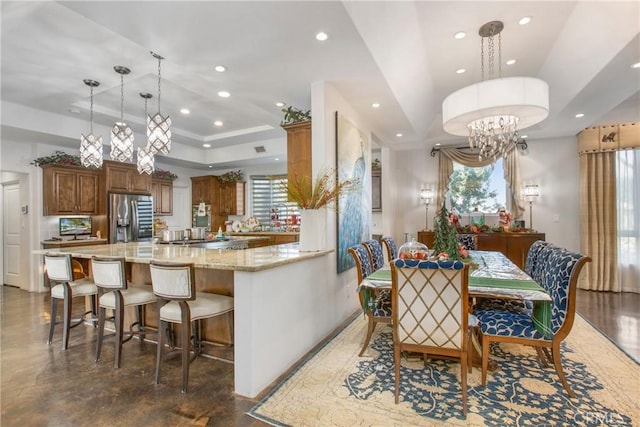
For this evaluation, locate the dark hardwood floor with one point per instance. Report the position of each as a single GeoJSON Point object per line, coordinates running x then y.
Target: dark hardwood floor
{"type": "Point", "coordinates": [43, 386]}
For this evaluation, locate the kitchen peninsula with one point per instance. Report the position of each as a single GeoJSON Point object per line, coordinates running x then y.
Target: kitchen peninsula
{"type": "Point", "coordinates": [279, 294]}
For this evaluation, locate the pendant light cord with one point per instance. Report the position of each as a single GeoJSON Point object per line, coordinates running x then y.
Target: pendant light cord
{"type": "Point", "coordinates": [91, 111]}
{"type": "Point", "coordinates": [121, 98]}
{"type": "Point", "coordinates": [159, 77]}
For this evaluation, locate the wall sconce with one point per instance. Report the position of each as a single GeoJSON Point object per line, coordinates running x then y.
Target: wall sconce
{"type": "Point", "coordinates": [426, 194]}
{"type": "Point", "coordinates": [531, 193]}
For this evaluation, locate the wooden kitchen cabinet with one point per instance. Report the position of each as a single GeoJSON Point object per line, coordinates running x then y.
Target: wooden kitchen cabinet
{"type": "Point", "coordinates": [299, 152]}
{"type": "Point", "coordinates": [71, 190]}
{"type": "Point", "coordinates": [162, 193]}
{"type": "Point", "coordinates": [514, 245]}
{"type": "Point", "coordinates": [204, 189]}
{"type": "Point", "coordinates": [124, 178]}
{"type": "Point", "coordinates": [231, 198]}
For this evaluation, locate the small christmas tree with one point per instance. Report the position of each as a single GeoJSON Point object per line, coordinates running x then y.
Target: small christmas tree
{"type": "Point", "coordinates": [446, 236]}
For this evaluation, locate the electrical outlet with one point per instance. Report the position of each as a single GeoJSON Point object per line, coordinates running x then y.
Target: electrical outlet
{"type": "Point", "coordinates": [555, 218]}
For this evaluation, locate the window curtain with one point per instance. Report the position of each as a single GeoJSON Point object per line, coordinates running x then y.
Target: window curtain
{"type": "Point", "coordinates": [511, 160]}
{"type": "Point", "coordinates": [628, 217]}
{"type": "Point", "coordinates": [598, 221]}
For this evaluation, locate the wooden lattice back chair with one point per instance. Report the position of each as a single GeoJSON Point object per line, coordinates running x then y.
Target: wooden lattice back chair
{"type": "Point", "coordinates": [430, 303]}
{"type": "Point", "coordinates": [375, 303]}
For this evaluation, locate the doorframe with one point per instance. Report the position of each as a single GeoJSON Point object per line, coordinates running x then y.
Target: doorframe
{"type": "Point", "coordinates": [22, 179]}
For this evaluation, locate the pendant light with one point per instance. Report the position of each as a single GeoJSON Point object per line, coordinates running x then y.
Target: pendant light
{"type": "Point", "coordinates": [121, 134]}
{"type": "Point", "coordinates": [492, 112]}
{"type": "Point", "coordinates": [90, 145]}
{"type": "Point", "coordinates": [145, 157]}
{"type": "Point", "coordinates": [158, 127]}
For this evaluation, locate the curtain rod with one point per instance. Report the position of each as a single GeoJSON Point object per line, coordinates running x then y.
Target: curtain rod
{"type": "Point", "coordinates": [521, 144]}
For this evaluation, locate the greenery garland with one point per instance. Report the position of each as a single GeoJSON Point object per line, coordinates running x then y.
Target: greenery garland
{"type": "Point", "coordinates": [58, 158]}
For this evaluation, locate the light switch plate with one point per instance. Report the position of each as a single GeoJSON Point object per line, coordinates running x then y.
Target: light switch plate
{"type": "Point", "coordinates": [555, 218]}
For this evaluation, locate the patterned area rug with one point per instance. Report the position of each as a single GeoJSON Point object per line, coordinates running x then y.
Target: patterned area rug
{"type": "Point", "coordinates": [338, 388]}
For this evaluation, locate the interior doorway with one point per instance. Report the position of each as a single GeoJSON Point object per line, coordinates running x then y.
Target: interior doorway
{"type": "Point", "coordinates": [11, 236]}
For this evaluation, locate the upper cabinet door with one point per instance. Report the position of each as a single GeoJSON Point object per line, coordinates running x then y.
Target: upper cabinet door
{"type": "Point", "coordinates": [124, 178]}
{"type": "Point", "coordinates": [71, 191]}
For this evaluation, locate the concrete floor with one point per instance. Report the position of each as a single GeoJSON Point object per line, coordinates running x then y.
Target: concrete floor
{"type": "Point", "coordinates": [44, 386]}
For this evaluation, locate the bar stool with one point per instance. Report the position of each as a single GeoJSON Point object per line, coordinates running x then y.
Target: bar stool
{"type": "Point", "coordinates": [63, 287]}
{"type": "Point", "coordinates": [174, 285]}
{"type": "Point", "coordinates": [115, 294]}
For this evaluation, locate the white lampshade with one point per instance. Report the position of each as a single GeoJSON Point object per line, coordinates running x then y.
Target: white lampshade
{"type": "Point", "coordinates": [531, 192]}
{"type": "Point", "coordinates": [526, 98]}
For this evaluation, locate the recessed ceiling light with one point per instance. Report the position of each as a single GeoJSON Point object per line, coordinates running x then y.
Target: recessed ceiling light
{"type": "Point", "coordinates": [185, 111]}
{"type": "Point", "coordinates": [276, 159]}
{"type": "Point", "coordinates": [511, 62]}
{"type": "Point", "coordinates": [207, 146]}
{"type": "Point", "coordinates": [460, 71]}
{"type": "Point", "coordinates": [210, 166]}
{"type": "Point", "coordinates": [579, 115]}
{"type": "Point", "coordinates": [224, 94]}
{"type": "Point", "coordinates": [218, 123]}
{"type": "Point", "coordinates": [524, 136]}
{"type": "Point", "coordinates": [636, 65]}
{"type": "Point", "coordinates": [438, 144]}
{"type": "Point", "coordinates": [321, 36]}
{"type": "Point", "coordinates": [220, 68]}
{"type": "Point", "coordinates": [459, 35]}
{"type": "Point", "coordinates": [398, 135]}
{"type": "Point", "coordinates": [375, 105]}
{"type": "Point", "coordinates": [280, 104]}
{"type": "Point", "coordinates": [525, 20]}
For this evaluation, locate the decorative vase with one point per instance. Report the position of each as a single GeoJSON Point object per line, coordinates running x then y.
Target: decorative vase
{"type": "Point", "coordinates": [313, 230]}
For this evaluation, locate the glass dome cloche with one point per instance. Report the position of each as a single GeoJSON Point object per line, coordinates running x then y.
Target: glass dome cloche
{"type": "Point", "coordinates": [413, 250]}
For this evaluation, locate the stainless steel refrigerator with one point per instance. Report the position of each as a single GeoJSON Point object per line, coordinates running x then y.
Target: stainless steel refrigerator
{"type": "Point", "coordinates": [130, 218]}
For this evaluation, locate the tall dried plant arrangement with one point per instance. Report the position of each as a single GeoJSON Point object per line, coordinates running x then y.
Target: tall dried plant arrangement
{"type": "Point", "coordinates": [325, 191]}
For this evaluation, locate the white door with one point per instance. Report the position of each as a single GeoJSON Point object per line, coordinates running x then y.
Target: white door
{"type": "Point", "coordinates": [11, 238]}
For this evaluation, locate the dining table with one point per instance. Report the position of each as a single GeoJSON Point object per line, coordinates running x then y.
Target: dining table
{"type": "Point", "coordinates": [491, 275]}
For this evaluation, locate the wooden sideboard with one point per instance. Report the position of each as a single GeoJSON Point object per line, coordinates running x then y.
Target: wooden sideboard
{"type": "Point", "coordinates": [514, 245]}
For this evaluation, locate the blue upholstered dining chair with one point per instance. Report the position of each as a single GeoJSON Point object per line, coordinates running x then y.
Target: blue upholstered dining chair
{"type": "Point", "coordinates": [375, 253]}
{"type": "Point", "coordinates": [468, 241]}
{"type": "Point", "coordinates": [532, 255]}
{"type": "Point", "coordinates": [430, 313]}
{"type": "Point", "coordinates": [558, 270]}
{"type": "Point", "coordinates": [391, 247]}
{"type": "Point", "coordinates": [375, 303]}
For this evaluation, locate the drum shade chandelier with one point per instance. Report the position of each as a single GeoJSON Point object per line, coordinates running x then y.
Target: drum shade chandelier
{"type": "Point", "coordinates": [158, 127]}
{"type": "Point", "coordinates": [145, 161]}
{"type": "Point", "coordinates": [491, 112]}
{"type": "Point", "coordinates": [91, 145]}
{"type": "Point", "coordinates": [121, 134]}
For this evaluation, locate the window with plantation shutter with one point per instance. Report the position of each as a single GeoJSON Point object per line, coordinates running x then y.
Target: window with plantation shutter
{"type": "Point", "coordinates": [270, 205]}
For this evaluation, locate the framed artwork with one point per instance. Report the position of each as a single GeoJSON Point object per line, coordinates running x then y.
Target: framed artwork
{"type": "Point", "coordinates": [353, 160]}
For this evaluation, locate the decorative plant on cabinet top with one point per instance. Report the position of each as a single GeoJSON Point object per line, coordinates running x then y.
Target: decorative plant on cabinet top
{"type": "Point", "coordinates": [294, 115]}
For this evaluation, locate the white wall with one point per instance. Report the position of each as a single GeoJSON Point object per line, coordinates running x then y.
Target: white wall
{"type": "Point", "coordinates": [552, 164]}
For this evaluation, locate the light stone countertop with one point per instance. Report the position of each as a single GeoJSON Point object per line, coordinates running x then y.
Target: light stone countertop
{"type": "Point", "coordinates": [256, 259]}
